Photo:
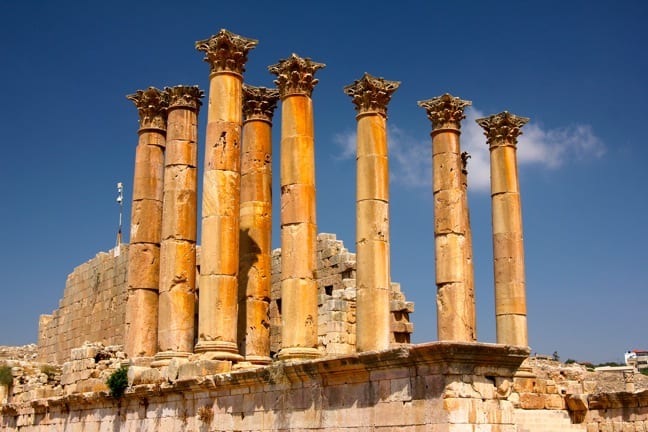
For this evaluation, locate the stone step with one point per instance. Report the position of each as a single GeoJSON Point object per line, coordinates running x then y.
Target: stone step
{"type": "Point", "coordinates": [545, 421]}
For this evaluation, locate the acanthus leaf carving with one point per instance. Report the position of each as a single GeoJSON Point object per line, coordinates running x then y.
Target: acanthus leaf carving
{"type": "Point", "coordinates": [445, 111]}
{"type": "Point", "coordinates": [296, 75]}
{"type": "Point", "coordinates": [185, 96]}
{"type": "Point", "coordinates": [226, 51]}
{"type": "Point", "coordinates": [259, 102]}
{"type": "Point", "coordinates": [502, 128]}
{"type": "Point", "coordinates": [371, 94]}
{"type": "Point", "coordinates": [152, 105]}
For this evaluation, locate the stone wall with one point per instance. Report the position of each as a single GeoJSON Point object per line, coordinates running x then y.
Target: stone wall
{"type": "Point", "coordinates": [93, 306]}
{"type": "Point", "coordinates": [441, 386]}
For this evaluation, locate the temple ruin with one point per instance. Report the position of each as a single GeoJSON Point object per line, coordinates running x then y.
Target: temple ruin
{"type": "Point", "coordinates": [231, 335]}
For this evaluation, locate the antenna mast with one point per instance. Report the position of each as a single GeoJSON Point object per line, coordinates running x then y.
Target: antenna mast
{"type": "Point", "coordinates": [120, 200]}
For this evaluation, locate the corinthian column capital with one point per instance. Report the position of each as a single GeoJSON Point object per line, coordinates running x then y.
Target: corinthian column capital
{"type": "Point", "coordinates": [226, 52]}
{"type": "Point", "coordinates": [296, 75]}
{"type": "Point", "coordinates": [371, 94]}
{"type": "Point", "coordinates": [259, 103]}
{"type": "Point", "coordinates": [152, 107]}
{"type": "Point", "coordinates": [502, 128]}
{"type": "Point", "coordinates": [185, 97]}
{"type": "Point", "coordinates": [445, 111]}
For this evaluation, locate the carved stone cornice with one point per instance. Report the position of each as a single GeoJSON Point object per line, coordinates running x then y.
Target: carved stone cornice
{"type": "Point", "coordinates": [259, 103]}
{"type": "Point", "coordinates": [295, 75]}
{"type": "Point", "coordinates": [185, 97]}
{"type": "Point", "coordinates": [502, 128]}
{"type": "Point", "coordinates": [371, 94]}
{"type": "Point", "coordinates": [445, 111]}
{"type": "Point", "coordinates": [226, 52]}
{"type": "Point", "coordinates": [152, 107]}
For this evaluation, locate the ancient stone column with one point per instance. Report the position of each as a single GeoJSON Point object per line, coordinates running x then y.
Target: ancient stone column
{"type": "Point", "coordinates": [146, 224]}
{"type": "Point", "coordinates": [226, 54]}
{"type": "Point", "coordinates": [455, 314]}
{"type": "Point", "coordinates": [296, 82]}
{"type": "Point", "coordinates": [501, 132]}
{"type": "Point", "coordinates": [470, 269]}
{"type": "Point", "coordinates": [255, 267]}
{"type": "Point", "coordinates": [177, 297]}
{"type": "Point", "coordinates": [370, 97]}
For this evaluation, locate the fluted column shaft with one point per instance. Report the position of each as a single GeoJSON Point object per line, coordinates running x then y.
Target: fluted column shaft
{"type": "Point", "coordinates": [371, 96]}
{"type": "Point", "coordinates": [455, 314]}
{"type": "Point", "coordinates": [146, 220]}
{"type": "Point", "coordinates": [217, 307]}
{"type": "Point", "coordinates": [299, 312]}
{"type": "Point", "coordinates": [177, 297]}
{"type": "Point", "coordinates": [255, 266]}
{"type": "Point", "coordinates": [502, 131]}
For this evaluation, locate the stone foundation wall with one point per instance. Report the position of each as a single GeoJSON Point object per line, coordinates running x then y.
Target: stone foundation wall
{"type": "Point", "coordinates": [440, 386]}
{"type": "Point", "coordinates": [93, 306]}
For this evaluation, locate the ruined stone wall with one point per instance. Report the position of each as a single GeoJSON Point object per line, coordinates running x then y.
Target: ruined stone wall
{"type": "Point", "coordinates": [93, 306]}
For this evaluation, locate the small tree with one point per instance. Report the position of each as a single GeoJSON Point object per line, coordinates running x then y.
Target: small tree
{"type": "Point", "coordinates": [117, 382]}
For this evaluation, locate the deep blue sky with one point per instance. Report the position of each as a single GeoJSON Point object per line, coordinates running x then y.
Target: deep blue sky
{"type": "Point", "coordinates": [578, 69]}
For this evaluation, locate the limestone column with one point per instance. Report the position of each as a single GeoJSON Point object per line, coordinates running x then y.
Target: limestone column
{"type": "Point", "coordinates": [468, 258]}
{"type": "Point", "coordinates": [226, 54]}
{"type": "Point", "coordinates": [501, 132]}
{"type": "Point", "coordinates": [455, 314]}
{"type": "Point", "coordinates": [146, 224]}
{"type": "Point", "coordinates": [296, 82]}
{"type": "Point", "coordinates": [255, 267]}
{"type": "Point", "coordinates": [177, 297]}
{"type": "Point", "coordinates": [373, 317]}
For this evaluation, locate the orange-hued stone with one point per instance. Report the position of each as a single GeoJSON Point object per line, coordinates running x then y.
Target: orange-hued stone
{"type": "Point", "coordinates": [455, 296]}
{"type": "Point", "coordinates": [141, 322]}
{"type": "Point", "coordinates": [373, 178]}
{"type": "Point", "coordinates": [146, 218]}
{"type": "Point", "coordinates": [372, 222]}
{"type": "Point", "coordinates": [299, 313]}
{"type": "Point", "coordinates": [221, 197]}
{"type": "Point", "coordinates": [297, 165]}
{"type": "Point", "coordinates": [298, 204]}
{"type": "Point", "coordinates": [504, 175]}
{"type": "Point", "coordinates": [296, 117]}
{"type": "Point", "coordinates": [221, 233]}
{"type": "Point", "coordinates": [143, 266]}
{"type": "Point", "coordinates": [371, 96]}
{"type": "Point", "coordinates": [298, 253]}
{"type": "Point", "coordinates": [217, 312]}
{"type": "Point", "coordinates": [149, 172]}
{"type": "Point", "coordinates": [502, 131]}
{"type": "Point", "coordinates": [221, 191]}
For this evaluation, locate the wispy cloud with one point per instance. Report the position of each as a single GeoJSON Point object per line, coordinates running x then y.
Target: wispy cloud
{"type": "Point", "coordinates": [411, 158]}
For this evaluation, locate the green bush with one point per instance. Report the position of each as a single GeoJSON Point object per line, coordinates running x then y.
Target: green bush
{"type": "Point", "coordinates": [6, 377]}
{"type": "Point", "coordinates": [118, 381]}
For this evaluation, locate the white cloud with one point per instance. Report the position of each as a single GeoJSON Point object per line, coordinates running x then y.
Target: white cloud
{"type": "Point", "coordinates": [411, 158]}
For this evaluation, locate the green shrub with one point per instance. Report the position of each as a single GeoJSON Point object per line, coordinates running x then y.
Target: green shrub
{"type": "Point", "coordinates": [118, 381]}
{"type": "Point", "coordinates": [6, 377]}
{"type": "Point", "coordinates": [49, 370]}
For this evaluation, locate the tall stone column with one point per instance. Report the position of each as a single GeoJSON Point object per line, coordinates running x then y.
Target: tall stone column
{"type": "Point", "coordinates": [455, 314]}
{"type": "Point", "coordinates": [255, 266]}
{"type": "Point", "coordinates": [470, 269]}
{"type": "Point", "coordinates": [226, 54]}
{"type": "Point", "coordinates": [146, 224]}
{"type": "Point", "coordinates": [177, 297]}
{"type": "Point", "coordinates": [501, 132]}
{"type": "Point", "coordinates": [370, 97]}
{"type": "Point", "coordinates": [296, 82]}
